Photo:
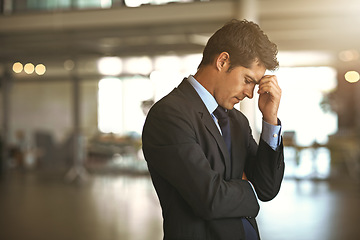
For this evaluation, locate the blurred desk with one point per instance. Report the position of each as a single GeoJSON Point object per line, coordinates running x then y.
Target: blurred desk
{"type": "Point", "coordinates": [111, 152]}
{"type": "Point", "coordinates": [343, 153]}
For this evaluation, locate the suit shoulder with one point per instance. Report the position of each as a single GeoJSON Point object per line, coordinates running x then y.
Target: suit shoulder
{"type": "Point", "coordinates": [172, 101]}
{"type": "Point", "coordinates": [176, 101]}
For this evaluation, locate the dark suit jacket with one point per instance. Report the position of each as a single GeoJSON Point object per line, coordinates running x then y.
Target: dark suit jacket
{"type": "Point", "coordinates": [199, 187]}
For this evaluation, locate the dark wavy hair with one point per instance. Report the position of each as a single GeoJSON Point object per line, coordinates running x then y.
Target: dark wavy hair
{"type": "Point", "coordinates": [245, 42]}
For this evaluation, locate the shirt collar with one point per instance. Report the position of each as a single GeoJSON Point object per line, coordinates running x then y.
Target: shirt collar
{"type": "Point", "coordinates": [205, 96]}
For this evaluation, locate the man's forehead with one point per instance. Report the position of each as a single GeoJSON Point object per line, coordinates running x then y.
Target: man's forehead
{"type": "Point", "coordinates": [257, 71]}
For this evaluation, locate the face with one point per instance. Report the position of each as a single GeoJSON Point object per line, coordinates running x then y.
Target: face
{"type": "Point", "coordinates": [239, 83]}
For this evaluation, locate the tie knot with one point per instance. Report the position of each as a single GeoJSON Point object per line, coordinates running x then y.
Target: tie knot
{"type": "Point", "coordinates": [220, 113]}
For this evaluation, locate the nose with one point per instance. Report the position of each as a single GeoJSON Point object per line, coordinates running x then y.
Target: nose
{"type": "Point", "coordinates": [249, 93]}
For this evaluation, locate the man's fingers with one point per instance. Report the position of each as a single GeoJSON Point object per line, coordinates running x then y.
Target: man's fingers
{"type": "Point", "coordinates": [269, 84]}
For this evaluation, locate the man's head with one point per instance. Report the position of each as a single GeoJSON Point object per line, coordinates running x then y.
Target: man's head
{"type": "Point", "coordinates": [245, 42]}
{"type": "Point", "coordinates": [234, 61]}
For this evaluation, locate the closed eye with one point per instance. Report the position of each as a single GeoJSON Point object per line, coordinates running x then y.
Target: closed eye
{"type": "Point", "coordinates": [248, 81]}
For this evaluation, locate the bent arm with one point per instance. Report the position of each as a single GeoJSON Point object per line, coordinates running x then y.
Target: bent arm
{"type": "Point", "coordinates": [171, 149]}
{"type": "Point", "coordinates": [265, 169]}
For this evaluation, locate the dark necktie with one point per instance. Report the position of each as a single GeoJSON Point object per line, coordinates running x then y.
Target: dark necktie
{"type": "Point", "coordinates": [223, 120]}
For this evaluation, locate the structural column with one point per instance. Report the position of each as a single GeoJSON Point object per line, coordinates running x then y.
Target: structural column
{"type": "Point", "coordinates": [247, 9]}
{"type": "Point", "coordinates": [5, 94]}
{"type": "Point", "coordinates": [77, 170]}
{"type": "Point", "coordinates": [357, 107]}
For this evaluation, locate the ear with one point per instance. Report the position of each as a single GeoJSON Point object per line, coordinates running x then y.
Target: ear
{"type": "Point", "coordinates": [222, 60]}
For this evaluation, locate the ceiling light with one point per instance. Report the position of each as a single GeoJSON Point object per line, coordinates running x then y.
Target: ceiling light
{"type": "Point", "coordinates": [29, 68]}
{"type": "Point", "coordinates": [352, 76]}
{"type": "Point", "coordinates": [17, 67]}
{"type": "Point", "coordinates": [40, 69]}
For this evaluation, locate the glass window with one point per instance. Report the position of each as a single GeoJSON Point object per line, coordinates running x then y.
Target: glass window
{"type": "Point", "coordinates": [137, 3]}
{"type": "Point", "coordinates": [47, 5]}
{"type": "Point", "coordinates": [120, 104]}
{"type": "Point", "coordinates": [123, 102]}
{"type": "Point", "coordinates": [137, 89]}
{"type": "Point", "coordinates": [304, 122]}
{"type": "Point", "coordinates": [110, 102]}
{"type": "Point", "coordinates": [93, 3]}
{"type": "Point", "coordinates": [303, 89]}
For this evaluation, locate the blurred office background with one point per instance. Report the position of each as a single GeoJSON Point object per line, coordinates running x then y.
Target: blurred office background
{"type": "Point", "coordinates": [78, 77]}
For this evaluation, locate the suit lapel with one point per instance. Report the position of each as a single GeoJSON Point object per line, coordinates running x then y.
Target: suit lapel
{"type": "Point", "coordinates": [209, 123]}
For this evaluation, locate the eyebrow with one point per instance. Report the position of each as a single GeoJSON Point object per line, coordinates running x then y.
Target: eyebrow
{"type": "Point", "coordinates": [253, 79]}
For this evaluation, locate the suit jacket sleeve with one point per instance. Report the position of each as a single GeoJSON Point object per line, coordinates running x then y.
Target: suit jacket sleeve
{"type": "Point", "coordinates": [172, 150]}
{"type": "Point", "coordinates": [265, 169]}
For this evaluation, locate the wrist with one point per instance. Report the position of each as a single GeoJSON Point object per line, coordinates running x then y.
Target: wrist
{"type": "Point", "coordinates": [272, 120]}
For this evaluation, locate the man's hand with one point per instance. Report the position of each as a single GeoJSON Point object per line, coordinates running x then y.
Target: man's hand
{"type": "Point", "coordinates": [269, 99]}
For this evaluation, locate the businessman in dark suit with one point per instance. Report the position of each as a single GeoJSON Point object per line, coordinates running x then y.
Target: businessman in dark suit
{"type": "Point", "coordinates": [206, 176]}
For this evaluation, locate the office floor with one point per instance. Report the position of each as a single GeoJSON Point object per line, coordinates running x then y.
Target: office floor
{"type": "Point", "coordinates": [41, 205]}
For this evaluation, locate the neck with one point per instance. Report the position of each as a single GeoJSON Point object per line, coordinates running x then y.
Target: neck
{"type": "Point", "coordinates": [205, 76]}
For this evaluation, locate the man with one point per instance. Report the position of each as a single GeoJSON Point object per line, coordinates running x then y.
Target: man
{"type": "Point", "coordinates": [204, 171]}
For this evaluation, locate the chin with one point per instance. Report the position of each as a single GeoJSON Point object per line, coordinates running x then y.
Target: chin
{"type": "Point", "coordinates": [236, 101]}
{"type": "Point", "coordinates": [230, 106]}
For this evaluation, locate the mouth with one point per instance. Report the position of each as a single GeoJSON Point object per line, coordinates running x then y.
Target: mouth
{"type": "Point", "coordinates": [237, 99]}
